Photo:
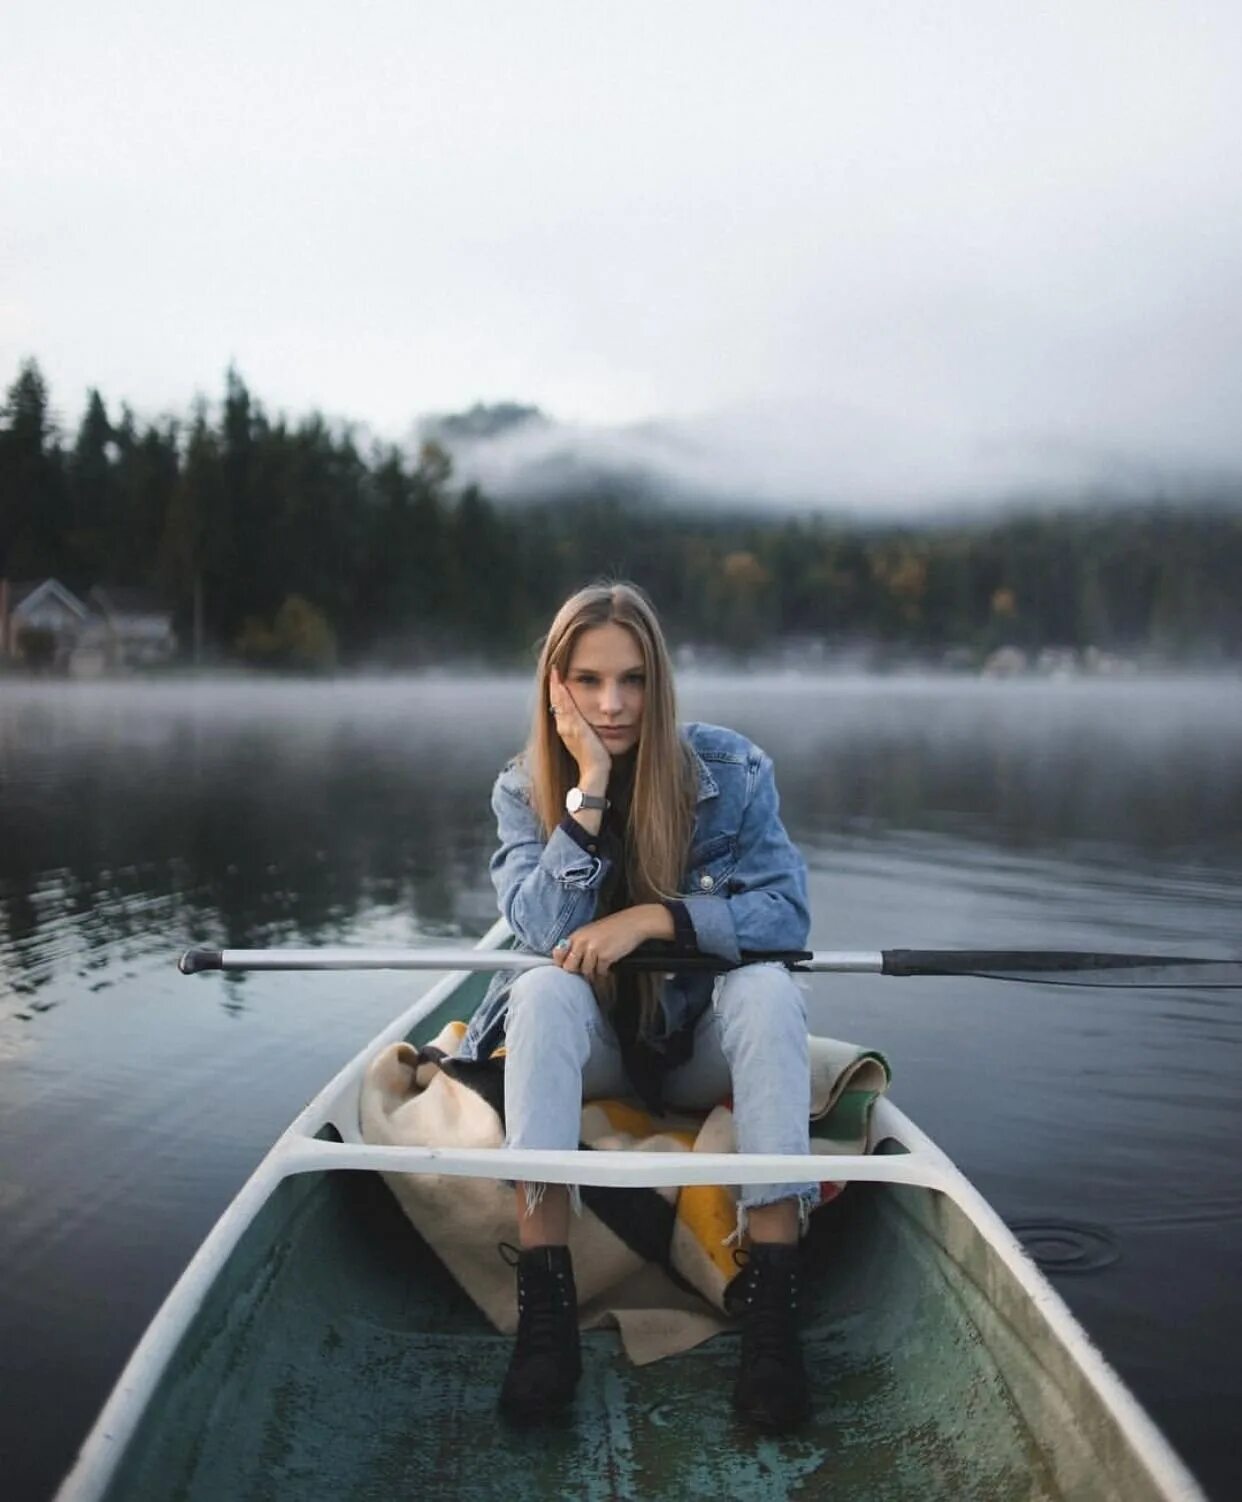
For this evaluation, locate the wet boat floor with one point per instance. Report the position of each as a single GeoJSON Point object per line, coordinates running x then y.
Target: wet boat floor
{"type": "Point", "coordinates": [349, 1365]}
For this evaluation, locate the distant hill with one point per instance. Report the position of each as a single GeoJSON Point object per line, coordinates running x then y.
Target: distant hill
{"type": "Point", "coordinates": [519, 454]}
{"type": "Point", "coordinates": [800, 457]}
{"type": "Point", "coordinates": [480, 423]}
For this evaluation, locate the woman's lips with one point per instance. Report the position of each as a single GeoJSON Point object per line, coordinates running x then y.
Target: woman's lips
{"type": "Point", "coordinates": [612, 730]}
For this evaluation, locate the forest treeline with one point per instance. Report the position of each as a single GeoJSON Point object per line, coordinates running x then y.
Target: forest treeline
{"type": "Point", "coordinates": [288, 541]}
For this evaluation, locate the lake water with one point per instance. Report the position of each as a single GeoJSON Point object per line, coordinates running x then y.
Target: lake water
{"type": "Point", "coordinates": [136, 819]}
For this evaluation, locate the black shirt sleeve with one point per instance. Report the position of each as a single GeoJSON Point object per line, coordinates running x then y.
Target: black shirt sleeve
{"type": "Point", "coordinates": [591, 843]}
{"type": "Point", "coordinates": [683, 930]}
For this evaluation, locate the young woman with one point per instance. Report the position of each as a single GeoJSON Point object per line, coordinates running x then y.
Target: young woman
{"type": "Point", "coordinates": [616, 826]}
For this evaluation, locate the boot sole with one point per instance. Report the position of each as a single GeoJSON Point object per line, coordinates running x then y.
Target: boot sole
{"type": "Point", "coordinates": [773, 1423]}
{"type": "Point", "coordinates": [535, 1418]}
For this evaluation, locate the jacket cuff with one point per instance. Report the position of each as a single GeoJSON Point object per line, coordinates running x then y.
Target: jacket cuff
{"type": "Point", "coordinates": [591, 843]}
{"type": "Point", "coordinates": [571, 859]}
{"type": "Point", "coordinates": [684, 939]}
{"type": "Point", "coordinates": [713, 926]}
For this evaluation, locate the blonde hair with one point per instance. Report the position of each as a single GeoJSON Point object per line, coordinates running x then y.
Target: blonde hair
{"type": "Point", "coordinates": [661, 812]}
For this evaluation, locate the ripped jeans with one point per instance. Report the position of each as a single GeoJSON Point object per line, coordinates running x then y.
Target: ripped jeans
{"type": "Point", "coordinates": [750, 1043]}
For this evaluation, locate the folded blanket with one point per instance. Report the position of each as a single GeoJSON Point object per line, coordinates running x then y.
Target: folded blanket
{"type": "Point", "coordinates": [654, 1262]}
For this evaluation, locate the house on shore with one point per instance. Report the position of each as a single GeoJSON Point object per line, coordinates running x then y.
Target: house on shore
{"type": "Point", "coordinates": [46, 626]}
{"type": "Point", "coordinates": [40, 623]}
{"type": "Point", "coordinates": [129, 626]}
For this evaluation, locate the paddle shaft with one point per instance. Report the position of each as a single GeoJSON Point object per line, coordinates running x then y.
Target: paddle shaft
{"type": "Point", "coordinates": [1067, 967]}
{"type": "Point", "coordinates": [349, 958]}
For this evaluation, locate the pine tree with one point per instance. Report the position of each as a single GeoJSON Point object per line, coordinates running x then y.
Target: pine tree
{"type": "Point", "coordinates": [33, 530]}
{"type": "Point", "coordinates": [195, 545]}
{"type": "Point", "coordinates": [93, 499]}
{"type": "Point", "coordinates": [246, 588]}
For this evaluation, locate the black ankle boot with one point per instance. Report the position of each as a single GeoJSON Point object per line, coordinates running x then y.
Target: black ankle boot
{"type": "Point", "coordinates": [546, 1361]}
{"type": "Point", "coordinates": [771, 1389]}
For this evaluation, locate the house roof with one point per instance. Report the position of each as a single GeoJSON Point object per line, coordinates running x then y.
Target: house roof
{"type": "Point", "coordinates": [26, 595]}
{"type": "Point", "coordinates": [125, 599]}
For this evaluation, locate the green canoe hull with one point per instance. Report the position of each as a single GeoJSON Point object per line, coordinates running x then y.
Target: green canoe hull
{"type": "Point", "coordinates": [337, 1359]}
{"type": "Point", "coordinates": [333, 1357]}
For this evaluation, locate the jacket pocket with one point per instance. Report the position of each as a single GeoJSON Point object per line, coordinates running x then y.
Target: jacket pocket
{"type": "Point", "coordinates": [709, 866]}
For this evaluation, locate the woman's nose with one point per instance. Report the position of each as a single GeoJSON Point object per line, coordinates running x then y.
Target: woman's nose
{"type": "Point", "coordinates": [610, 699]}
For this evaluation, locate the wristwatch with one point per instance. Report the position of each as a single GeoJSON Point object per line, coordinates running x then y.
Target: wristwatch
{"type": "Point", "coordinates": [576, 799]}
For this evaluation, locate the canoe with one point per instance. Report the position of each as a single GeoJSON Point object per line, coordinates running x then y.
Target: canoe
{"type": "Point", "coordinates": [316, 1348]}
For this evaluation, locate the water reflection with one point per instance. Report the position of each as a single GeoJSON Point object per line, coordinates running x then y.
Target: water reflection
{"type": "Point", "coordinates": [145, 815]}
{"type": "Point", "coordinates": [1124, 767]}
{"type": "Point", "coordinates": [150, 816]}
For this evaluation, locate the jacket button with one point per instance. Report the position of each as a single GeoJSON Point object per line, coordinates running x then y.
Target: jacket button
{"type": "Point", "coordinates": [706, 883]}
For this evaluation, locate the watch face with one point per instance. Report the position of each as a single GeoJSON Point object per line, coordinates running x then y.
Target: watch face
{"type": "Point", "coordinates": [575, 799]}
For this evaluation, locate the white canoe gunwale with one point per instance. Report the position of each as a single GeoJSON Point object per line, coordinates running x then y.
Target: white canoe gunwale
{"type": "Point", "coordinates": [918, 1163]}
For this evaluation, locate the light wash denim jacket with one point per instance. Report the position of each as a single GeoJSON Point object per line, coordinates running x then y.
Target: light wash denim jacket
{"type": "Point", "coordinates": [744, 887]}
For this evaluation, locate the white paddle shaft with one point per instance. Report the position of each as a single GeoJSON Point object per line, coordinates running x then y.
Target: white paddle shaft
{"type": "Point", "coordinates": [358, 958]}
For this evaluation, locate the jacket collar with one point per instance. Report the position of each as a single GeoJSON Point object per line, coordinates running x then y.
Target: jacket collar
{"type": "Point", "coordinates": [707, 783]}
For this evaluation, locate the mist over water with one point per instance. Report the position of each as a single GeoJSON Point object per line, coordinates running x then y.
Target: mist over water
{"type": "Point", "coordinates": [138, 818]}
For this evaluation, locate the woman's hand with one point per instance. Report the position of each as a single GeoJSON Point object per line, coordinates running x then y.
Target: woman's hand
{"type": "Point", "coordinates": [575, 731]}
{"type": "Point", "coordinates": [594, 949]}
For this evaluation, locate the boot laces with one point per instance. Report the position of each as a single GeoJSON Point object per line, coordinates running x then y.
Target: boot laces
{"type": "Point", "coordinates": [768, 1303]}
{"type": "Point", "coordinates": [542, 1300]}
{"type": "Point", "coordinates": [541, 1318]}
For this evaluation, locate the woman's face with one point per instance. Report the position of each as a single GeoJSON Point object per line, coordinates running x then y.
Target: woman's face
{"type": "Point", "coordinates": [607, 681]}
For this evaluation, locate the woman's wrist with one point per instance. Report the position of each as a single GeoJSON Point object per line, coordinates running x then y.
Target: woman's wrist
{"type": "Point", "coordinates": [657, 921]}
{"type": "Point", "coordinates": [593, 779]}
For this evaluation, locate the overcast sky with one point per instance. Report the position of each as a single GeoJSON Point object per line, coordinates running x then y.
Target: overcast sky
{"type": "Point", "coordinates": [880, 250]}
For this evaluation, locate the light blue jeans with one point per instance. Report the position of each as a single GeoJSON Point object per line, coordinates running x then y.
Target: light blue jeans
{"type": "Point", "coordinates": [750, 1043]}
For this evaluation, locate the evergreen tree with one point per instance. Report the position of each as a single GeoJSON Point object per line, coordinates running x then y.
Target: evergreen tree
{"type": "Point", "coordinates": [434, 579]}
{"type": "Point", "coordinates": [147, 469]}
{"type": "Point", "coordinates": [484, 567]}
{"type": "Point", "coordinates": [246, 588]}
{"type": "Point", "coordinates": [33, 516]}
{"type": "Point", "coordinates": [195, 547]}
{"type": "Point", "coordinates": [93, 499]}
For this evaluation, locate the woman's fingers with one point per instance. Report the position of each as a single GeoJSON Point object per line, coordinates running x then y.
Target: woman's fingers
{"type": "Point", "coordinates": [580, 958]}
{"type": "Point", "coordinates": [564, 711]}
{"type": "Point", "coordinates": [569, 716]}
{"type": "Point", "coordinates": [593, 950]}
{"type": "Point", "coordinates": [575, 730]}
{"type": "Point", "coordinates": [560, 695]}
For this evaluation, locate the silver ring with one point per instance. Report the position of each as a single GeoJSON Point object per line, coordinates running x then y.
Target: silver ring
{"type": "Point", "coordinates": [562, 944]}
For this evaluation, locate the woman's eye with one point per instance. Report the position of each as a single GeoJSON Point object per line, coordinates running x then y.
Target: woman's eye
{"type": "Point", "coordinates": [636, 679]}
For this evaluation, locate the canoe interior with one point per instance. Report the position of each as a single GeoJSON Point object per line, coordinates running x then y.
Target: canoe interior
{"type": "Point", "coordinates": [336, 1358]}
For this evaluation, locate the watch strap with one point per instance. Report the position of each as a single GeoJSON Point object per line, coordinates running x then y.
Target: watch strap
{"type": "Point", "coordinates": [576, 799]}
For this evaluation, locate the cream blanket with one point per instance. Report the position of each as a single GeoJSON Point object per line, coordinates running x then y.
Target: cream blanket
{"type": "Point", "coordinates": [654, 1262]}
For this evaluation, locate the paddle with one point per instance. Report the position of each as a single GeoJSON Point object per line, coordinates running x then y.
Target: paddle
{"type": "Point", "coordinates": [1046, 966]}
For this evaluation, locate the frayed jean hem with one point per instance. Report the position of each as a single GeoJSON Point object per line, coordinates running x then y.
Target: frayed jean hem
{"type": "Point", "coordinates": [534, 1194]}
{"type": "Point", "coordinates": [807, 1196]}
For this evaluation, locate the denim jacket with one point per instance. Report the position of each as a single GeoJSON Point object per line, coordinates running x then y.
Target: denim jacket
{"type": "Point", "coordinates": [744, 886]}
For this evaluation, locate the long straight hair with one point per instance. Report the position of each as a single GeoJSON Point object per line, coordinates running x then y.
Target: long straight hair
{"type": "Point", "coordinates": [661, 812]}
